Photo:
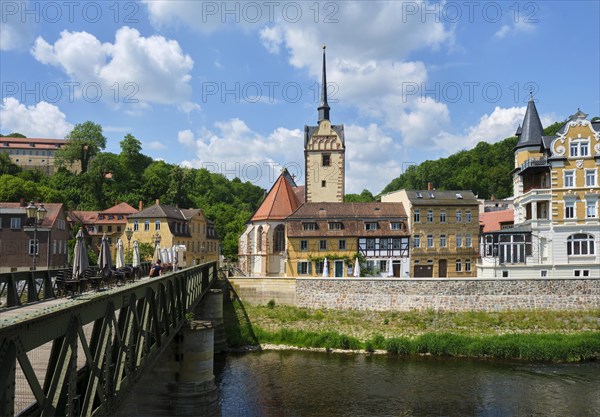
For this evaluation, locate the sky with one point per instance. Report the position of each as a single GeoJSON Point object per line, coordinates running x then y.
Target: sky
{"type": "Point", "coordinates": [229, 86]}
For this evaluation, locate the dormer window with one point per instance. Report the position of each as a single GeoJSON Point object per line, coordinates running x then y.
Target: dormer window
{"type": "Point", "coordinates": [396, 225]}
{"type": "Point", "coordinates": [431, 195]}
{"type": "Point", "coordinates": [419, 195]}
{"type": "Point", "coordinates": [336, 226]}
{"type": "Point", "coordinates": [459, 196]}
{"type": "Point", "coordinates": [32, 145]}
{"type": "Point", "coordinates": [370, 225]}
{"type": "Point", "coordinates": [309, 226]}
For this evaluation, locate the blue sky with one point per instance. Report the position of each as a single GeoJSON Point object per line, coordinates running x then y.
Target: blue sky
{"type": "Point", "coordinates": [230, 85]}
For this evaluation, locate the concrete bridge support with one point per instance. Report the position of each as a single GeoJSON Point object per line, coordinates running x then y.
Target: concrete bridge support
{"type": "Point", "coordinates": [211, 309]}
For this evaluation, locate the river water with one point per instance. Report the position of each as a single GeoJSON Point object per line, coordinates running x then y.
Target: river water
{"type": "Point", "coordinates": [294, 383]}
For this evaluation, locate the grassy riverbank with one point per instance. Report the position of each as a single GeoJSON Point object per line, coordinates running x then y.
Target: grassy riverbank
{"type": "Point", "coordinates": [531, 335]}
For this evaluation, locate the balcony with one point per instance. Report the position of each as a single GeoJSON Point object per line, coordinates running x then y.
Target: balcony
{"type": "Point", "coordinates": [533, 165]}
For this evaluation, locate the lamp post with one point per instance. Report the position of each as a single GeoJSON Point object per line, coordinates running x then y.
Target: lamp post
{"type": "Point", "coordinates": [128, 234]}
{"type": "Point", "coordinates": [156, 237]}
{"type": "Point", "coordinates": [36, 215]}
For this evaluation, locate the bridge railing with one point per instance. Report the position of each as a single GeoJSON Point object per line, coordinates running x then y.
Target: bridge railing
{"type": "Point", "coordinates": [24, 287]}
{"type": "Point", "coordinates": [97, 345]}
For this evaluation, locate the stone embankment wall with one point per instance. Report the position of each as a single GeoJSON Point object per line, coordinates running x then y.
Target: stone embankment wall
{"type": "Point", "coordinates": [407, 294]}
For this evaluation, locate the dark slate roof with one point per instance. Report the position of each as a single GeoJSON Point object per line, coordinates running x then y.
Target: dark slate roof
{"type": "Point", "coordinates": [338, 211]}
{"type": "Point", "coordinates": [159, 211]}
{"type": "Point", "coordinates": [519, 130]}
{"type": "Point", "coordinates": [442, 198]}
{"type": "Point", "coordinates": [532, 130]}
{"type": "Point", "coordinates": [547, 140]}
{"type": "Point", "coordinates": [311, 130]}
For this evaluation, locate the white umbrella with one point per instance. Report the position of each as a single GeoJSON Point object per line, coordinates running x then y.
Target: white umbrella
{"type": "Point", "coordinates": [120, 257]}
{"type": "Point", "coordinates": [135, 262]}
{"type": "Point", "coordinates": [166, 253]}
{"type": "Point", "coordinates": [157, 254]}
{"type": "Point", "coordinates": [104, 258]}
{"type": "Point", "coordinates": [356, 268]}
{"type": "Point", "coordinates": [391, 268]}
{"type": "Point", "coordinates": [174, 257]}
{"type": "Point", "coordinates": [325, 269]}
{"type": "Point", "coordinates": [80, 257]}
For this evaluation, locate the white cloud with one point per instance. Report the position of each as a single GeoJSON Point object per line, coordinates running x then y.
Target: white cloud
{"type": "Point", "coordinates": [145, 70]}
{"type": "Point", "coordinates": [16, 33]}
{"type": "Point", "coordinates": [42, 120]}
{"type": "Point", "coordinates": [156, 146]}
{"type": "Point", "coordinates": [520, 25]}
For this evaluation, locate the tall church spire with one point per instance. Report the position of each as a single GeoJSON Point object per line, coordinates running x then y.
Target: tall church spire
{"type": "Point", "coordinates": [531, 130]}
{"type": "Point", "coordinates": [324, 107]}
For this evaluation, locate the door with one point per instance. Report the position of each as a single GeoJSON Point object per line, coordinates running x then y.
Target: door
{"type": "Point", "coordinates": [339, 268]}
{"type": "Point", "coordinates": [443, 268]}
{"type": "Point", "coordinates": [396, 266]}
{"type": "Point", "coordinates": [423, 271]}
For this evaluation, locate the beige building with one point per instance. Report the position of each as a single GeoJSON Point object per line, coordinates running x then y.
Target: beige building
{"type": "Point", "coordinates": [34, 153]}
{"type": "Point", "coordinates": [444, 226]}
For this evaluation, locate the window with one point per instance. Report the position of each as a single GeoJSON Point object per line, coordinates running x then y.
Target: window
{"type": "Point", "coordinates": [569, 209]}
{"type": "Point", "coordinates": [383, 266]}
{"type": "Point", "coordinates": [323, 183]}
{"type": "Point", "coordinates": [396, 243]}
{"type": "Point", "coordinates": [109, 228]}
{"type": "Point", "coordinates": [342, 244]}
{"type": "Point", "coordinates": [504, 274]}
{"type": "Point", "coordinates": [442, 216]}
{"type": "Point", "coordinates": [590, 177]}
{"type": "Point", "coordinates": [320, 265]}
{"type": "Point", "coordinates": [468, 240]}
{"type": "Point", "coordinates": [591, 211]}
{"type": "Point", "coordinates": [579, 148]}
{"type": "Point", "coordinates": [458, 216]}
{"type": "Point", "coordinates": [569, 178]}
{"type": "Point", "coordinates": [396, 226]}
{"type": "Point", "coordinates": [370, 243]}
{"type": "Point", "coordinates": [430, 241]}
{"type": "Point", "coordinates": [383, 244]}
{"type": "Point", "coordinates": [580, 244]}
{"type": "Point", "coordinates": [323, 244]}
{"type": "Point", "coordinates": [304, 268]}
{"type": "Point", "coordinates": [335, 226]}
{"type": "Point", "coordinates": [34, 246]}
{"type": "Point", "coordinates": [259, 239]}
{"type": "Point", "coordinates": [467, 265]}
{"type": "Point", "coordinates": [304, 245]}
{"type": "Point", "coordinates": [416, 241]}
{"type": "Point", "coordinates": [574, 148]}
{"type": "Point", "coordinates": [442, 241]}
{"type": "Point", "coordinates": [100, 229]}
{"type": "Point", "coordinates": [458, 241]}
{"type": "Point", "coordinates": [326, 159]}
{"type": "Point", "coordinates": [417, 216]}
{"type": "Point", "coordinates": [429, 216]}
{"type": "Point", "coordinates": [136, 225]}
{"type": "Point", "coordinates": [468, 216]}
{"type": "Point", "coordinates": [458, 265]}
{"type": "Point", "coordinates": [157, 225]}
{"type": "Point", "coordinates": [309, 226]}
{"type": "Point", "coordinates": [279, 238]}
{"type": "Point", "coordinates": [119, 229]}
{"type": "Point", "coordinates": [543, 273]}
{"type": "Point", "coordinates": [147, 225]}
{"type": "Point", "coordinates": [371, 226]}
{"type": "Point", "coordinates": [15, 223]}
{"type": "Point", "coordinates": [581, 272]}
{"type": "Point", "coordinates": [54, 247]}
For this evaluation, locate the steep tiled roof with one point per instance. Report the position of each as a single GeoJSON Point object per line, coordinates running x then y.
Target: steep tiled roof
{"type": "Point", "coordinates": [84, 217]}
{"type": "Point", "coordinates": [121, 208]}
{"type": "Point", "coordinates": [159, 211]}
{"type": "Point", "coordinates": [493, 220]}
{"type": "Point", "coordinates": [333, 211]}
{"type": "Point", "coordinates": [190, 213]}
{"type": "Point", "coordinates": [280, 202]}
{"type": "Point", "coordinates": [53, 209]}
{"type": "Point", "coordinates": [441, 197]}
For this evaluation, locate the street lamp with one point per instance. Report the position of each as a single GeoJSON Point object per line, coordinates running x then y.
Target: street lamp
{"type": "Point", "coordinates": [156, 237]}
{"type": "Point", "coordinates": [36, 215]}
{"type": "Point", "coordinates": [128, 234]}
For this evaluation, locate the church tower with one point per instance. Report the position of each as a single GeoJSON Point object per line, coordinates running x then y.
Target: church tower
{"type": "Point", "coordinates": [324, 154]}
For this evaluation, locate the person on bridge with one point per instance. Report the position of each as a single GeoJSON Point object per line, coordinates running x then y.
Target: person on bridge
{"type": "Point", "coordinates": [156, 269]}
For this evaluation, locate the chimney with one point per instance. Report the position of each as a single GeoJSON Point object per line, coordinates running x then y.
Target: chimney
{"type": "Point", "coordinates": [21, 202]}
{"type": "Point", "coordinates": [140, 205]}
{"type": "Point", "coordinates": [429, 186]}
{"type": "Point", "coordinates": [157, 201]}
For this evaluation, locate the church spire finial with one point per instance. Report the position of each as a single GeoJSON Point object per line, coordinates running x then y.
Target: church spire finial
{"type": "Point", "coordinates": [324, 107]}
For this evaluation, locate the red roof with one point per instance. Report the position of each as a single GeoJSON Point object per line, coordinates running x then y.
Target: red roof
{"type": "Point", "coordinates": [493, 221]}
{"type": "Point", "coordinates": [53, 210]}
{"type": "Point", "coordinates": [121, 208]}
{"type": "Point", "coordinates": [280, 202]}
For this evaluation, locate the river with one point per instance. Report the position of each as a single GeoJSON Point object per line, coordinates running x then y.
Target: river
{"type": "Point", "coordinates": [298, 383]}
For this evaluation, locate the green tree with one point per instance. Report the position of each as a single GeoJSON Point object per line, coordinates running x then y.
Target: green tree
{"type": "Point", "coordinates": [7, 166]}
{"type": "Point", "coordinates": [364, 197]}
{"type": "Point", "coordinates": [83, 143]}
{"type": "Point", "coordinates": [14, 135]}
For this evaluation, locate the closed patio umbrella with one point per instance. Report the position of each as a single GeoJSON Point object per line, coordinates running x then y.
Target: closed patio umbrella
{"type": "Point", "coordinates": [356, 268]}
{"type": "Point", "coordinates": [80, 257]}
{"type": "Point", "coordinates": [135, 262]}
{"type": "Point", "coordinates": [325, 269]}
{"type": "Point", "coordinates": [105, 259]}
{"type": "Point", "coordinates": [120, 258]}
{"type": "Point", "coordinates": [166, 255]}
{"type": "Point", "coordinates": [174, 256]}
{"type": "Point", "coordinates": [391, 268]}
{"type": "Point", "coordinates": [157, 254]}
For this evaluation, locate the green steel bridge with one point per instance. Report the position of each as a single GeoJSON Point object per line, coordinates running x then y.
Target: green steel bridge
{"type": "Point", "coordinates": [81, 355]}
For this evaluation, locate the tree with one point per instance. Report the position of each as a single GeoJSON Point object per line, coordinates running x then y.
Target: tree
{"type": "Point", "coordinates": [83, 143]}
{"type": "Point", "coordinates": [7, 166]}
{"type": "Point", "coordinates": [364, 197]}
{"type": "Point", "coordinates": [14, 135]}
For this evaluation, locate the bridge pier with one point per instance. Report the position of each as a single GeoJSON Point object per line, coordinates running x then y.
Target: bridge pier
{"type": "Point", "coordinates": [211, 308]}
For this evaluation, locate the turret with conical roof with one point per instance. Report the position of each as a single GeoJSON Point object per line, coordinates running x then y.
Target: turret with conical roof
{"type": "Point", "coordinates": [531, 129]}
